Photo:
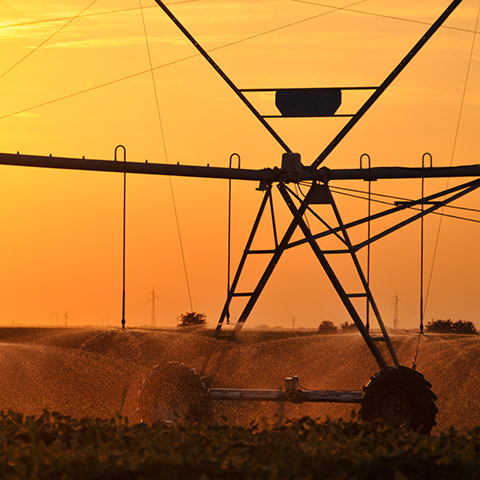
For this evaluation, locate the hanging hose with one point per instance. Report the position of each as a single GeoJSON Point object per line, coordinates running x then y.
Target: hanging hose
{"type": "Point", "coordinates": [367, 323]}
{"type": "Point", "coordinates": [230, 229]}
{"type": "Point", "coordinates": [422, 312]}
{"type": "Point", "coordinates": [124, 224]}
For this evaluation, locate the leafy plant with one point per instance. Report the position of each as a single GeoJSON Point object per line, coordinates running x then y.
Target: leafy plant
{"type": "Point", "coordinates": [192, 319]}
{"type": "Point", "coordinates": [447, 326]}
{"type": "Point", "coordinates": [327, 327]}
{"type": "Point", "coordinates": [348, 327]}
{"type": "Point", "coordinates": [53, 446]}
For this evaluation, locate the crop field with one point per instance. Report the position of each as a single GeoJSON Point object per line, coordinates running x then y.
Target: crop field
{"type": "Point", "coordinates": [69, 400]}
{"type": "Point", "coordinates": [52, 446]}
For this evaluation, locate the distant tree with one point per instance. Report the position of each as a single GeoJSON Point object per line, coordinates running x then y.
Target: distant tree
{"type": "Point", "coordinates": [440, 326]}
{"type": "Point", "coordinates": [464, 327]}
{"type": "Point", "coordinates": [447, 326]}
{"type": "Point", "coordinates": [192, 319]}
{"type": "Point", "coordinates": [348, 327]}
{"type": "Point", "coordinates": [327, 327]}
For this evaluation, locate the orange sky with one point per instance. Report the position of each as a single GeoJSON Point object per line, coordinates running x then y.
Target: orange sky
{"type": "Point", "coordinates": [61, 243]}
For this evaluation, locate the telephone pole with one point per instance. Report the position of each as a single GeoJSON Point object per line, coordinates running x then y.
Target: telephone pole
{"type": "Point", "coordinates": [395, 315]}
{"type": "Point", "coordinates": [152, 317]}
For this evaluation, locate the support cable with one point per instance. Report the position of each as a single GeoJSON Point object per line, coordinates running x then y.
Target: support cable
{"type": "Point", "coordinates": [341, 191]}
{"type": "Point", "coordinates": [453, 150]}
{"type": "Point", "coordinates": [162, 134]}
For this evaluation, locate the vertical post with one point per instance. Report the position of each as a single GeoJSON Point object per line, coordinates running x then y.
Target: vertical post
{"type": "Point", "coordinates": [124, 223]}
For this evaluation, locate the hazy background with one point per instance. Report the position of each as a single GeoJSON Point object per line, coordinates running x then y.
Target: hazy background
{"type": "Point", "coordinates": [61, 232]}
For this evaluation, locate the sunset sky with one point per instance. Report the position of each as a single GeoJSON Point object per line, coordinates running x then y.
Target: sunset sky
{"type": "Point", "coordinates": [75, 81]}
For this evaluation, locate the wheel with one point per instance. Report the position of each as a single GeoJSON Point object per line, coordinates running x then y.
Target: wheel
{"type": "Point", "coordinates": [173, 393]}
{"type": "Point", "coordinates": [402, 397]}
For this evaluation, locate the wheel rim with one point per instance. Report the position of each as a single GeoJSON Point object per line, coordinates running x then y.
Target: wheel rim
{"type": "Point", "coordinates": [395, 408]}
{"type": "Point", "coordinates": [402, 398]}
{"type": "Point", "coordinates": [172, 393]}
{"type": "Point", "coordinates": [172, 406]}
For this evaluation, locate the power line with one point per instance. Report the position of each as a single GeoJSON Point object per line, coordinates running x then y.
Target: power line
{"type": "Point", "coordinates": [96, 14]}
{"type": "Point", "coordinates": [174, 62]}
{"type": "Point", "coordinates": [189, 57]}
{"type": "Point", "coordinates": [133, 9]}
{"type": "Point", "coordinates": [390, 17]}
{"type": "Point", "coordinates": [46, 40]}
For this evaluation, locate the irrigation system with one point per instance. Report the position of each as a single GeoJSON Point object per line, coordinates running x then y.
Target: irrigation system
{"type": "Point", "coordinates": [398, 394]}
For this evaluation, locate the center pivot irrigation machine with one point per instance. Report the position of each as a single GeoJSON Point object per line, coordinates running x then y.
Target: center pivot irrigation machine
{"type": "Point", "coordinates": [398, 394]}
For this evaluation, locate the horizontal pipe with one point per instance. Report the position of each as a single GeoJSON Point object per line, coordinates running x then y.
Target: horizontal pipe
{"type": "Point", "coordinates": [268, 175]}
{"type": "Point", "coordinates": [294, 396]}
{"type": "Point", "coordinates": [378, 173]}
{"type": "Point", "coordinates": [134, 167]}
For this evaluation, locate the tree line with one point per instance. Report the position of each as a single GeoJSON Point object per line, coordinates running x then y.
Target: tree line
{"type": "Point", "coordinates": [435, 326]}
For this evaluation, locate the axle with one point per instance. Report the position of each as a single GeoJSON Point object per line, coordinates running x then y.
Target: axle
{"type": "Point", "coordinates": [292, 393]}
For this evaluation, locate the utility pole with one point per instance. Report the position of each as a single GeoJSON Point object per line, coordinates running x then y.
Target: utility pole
{"type": "Point", "coordinates": [152, 317]}
{"type": "Point", "coordinates": [395, 315]}
{"type": "Point", "coordinates": [66, 318]}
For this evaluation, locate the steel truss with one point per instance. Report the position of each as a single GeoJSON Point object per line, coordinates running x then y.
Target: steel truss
{"type": "Point", "coordinates": [320, 194]}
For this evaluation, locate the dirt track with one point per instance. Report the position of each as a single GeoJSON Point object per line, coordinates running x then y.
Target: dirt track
{"type": "Point", "coordinates": [91, 372]}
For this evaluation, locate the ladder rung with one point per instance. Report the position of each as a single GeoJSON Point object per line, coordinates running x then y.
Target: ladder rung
{"type": "Point", "coordinates": [243, 294]}
{"type": "Point", "coordinates": [379, 339]}
{"type": "Point", "coordinates": [334, 252]}
{"type": "Point", "coordinates": [356, 295]}
{"type": "Point", "coordinates": [261, 252]}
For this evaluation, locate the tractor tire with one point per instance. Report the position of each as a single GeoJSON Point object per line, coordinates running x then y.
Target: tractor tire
{"type": "Point", "coordinates": [173, 393]}
{"type": "Point", "coordinates": [402, 398]}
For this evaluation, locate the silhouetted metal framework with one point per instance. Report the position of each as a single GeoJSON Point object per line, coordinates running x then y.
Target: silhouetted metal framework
{"type": "Point", "coordinates": [308, 103]}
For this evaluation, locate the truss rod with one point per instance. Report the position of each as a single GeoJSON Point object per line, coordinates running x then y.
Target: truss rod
{"type": "Point", "coordinates": [298, 220]}
{"type": "Point", "coordinates": [421, 214]}
{"type": "Point", "coordinates": [222, 74]}
{"type": "Point", "coordinates": [386, 83]}
{"type": "Point", "coordinates": [465, 188]}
